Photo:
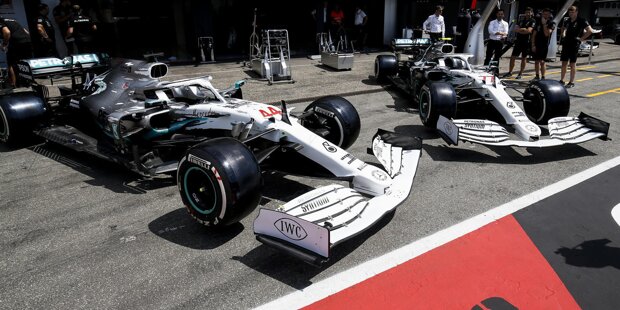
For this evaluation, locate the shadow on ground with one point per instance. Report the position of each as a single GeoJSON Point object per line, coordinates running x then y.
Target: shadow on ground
{"type": "Point", "coordinates": [295, 273]}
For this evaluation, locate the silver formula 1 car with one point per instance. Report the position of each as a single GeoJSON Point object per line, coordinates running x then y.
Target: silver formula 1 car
{"type": "Point", "coordinates": [472, 104]}
{"type": "Point", "coordinates": [218, 144]}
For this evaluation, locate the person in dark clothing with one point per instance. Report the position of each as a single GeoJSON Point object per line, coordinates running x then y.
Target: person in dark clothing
{"type": "Point", "coordinates": [522, 42]}
{"type": "Point", "coordinates": [321, 17]}
{"type": "Point", "coordinates": [82, 30]}
{"type": "Point", "coordinates": [44, 43]}
{"type": "Point", "coordinates": [463, 25]}
{"type": "Point", "coordinates": [62, 14]}
{"type": "Point", "coordinates": [574, 31]}
{"type": "Point", "coordinates": [17, 45]}
{"type": "Point", "coordinates": [540, 42]}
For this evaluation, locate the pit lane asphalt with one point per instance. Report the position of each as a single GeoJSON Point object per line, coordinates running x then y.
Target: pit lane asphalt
{"type": "Point", "coordinates": [77, 232]}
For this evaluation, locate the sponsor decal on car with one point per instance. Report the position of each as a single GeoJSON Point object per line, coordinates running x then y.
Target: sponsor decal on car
{"type": "Point", "coordinates": [510, 105]}
{"type": "Point", "coordinates": [379, 175]}
{"type": "Point", "coordinates": [330, 148]}
{"type": "Point", "coordinates": [199, 161]}
{"type": "Point", "coordinates": [271, 112]}
{"type": "Point", "coordinates": [314, 204]}
{"type": "Point", "coordinates": [324, 112]}
{"type": "Point", "coordinates": [530, 128]}
{"type": "Point", "coordinates": [474, 124]}
{"type": "Point", "coordinates": [290, 229]}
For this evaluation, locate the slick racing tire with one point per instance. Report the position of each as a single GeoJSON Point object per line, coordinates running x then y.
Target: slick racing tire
{"type": "Point", "coordinates": [335, 119]}
{"type": "Point", "coordinates": [20, 113]}
{"type": "Point", "coordinates": [385, 65]}
{"type": "Point", "coordinates": [544, 100]}
{"type": "Point", "coordinates": [436, 98]}
{"type": "Point", "coordinates": [219, 181]}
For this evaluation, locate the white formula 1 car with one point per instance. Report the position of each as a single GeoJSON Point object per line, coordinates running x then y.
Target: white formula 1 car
{"type": "Point", "coordinates": [446, 86]}
{"type": "Point", "coordinates": [219, 143]}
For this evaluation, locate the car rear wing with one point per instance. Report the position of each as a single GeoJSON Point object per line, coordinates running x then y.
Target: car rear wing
{"type": "Point", "coordinates": [31, 69]}
{"type": "Point", "coordinates": [409, 44]}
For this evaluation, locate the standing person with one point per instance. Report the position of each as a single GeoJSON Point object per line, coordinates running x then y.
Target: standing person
{"type": "Point", "coordinates": [321, 17]}
{"type": "Point", "coordinates": [45, 43]}
{"type": "Point", "coordinates": [337, 20]}
{"type": "Point", "coordinates": [575, 30]}
{"type": "Point", "coordinates": [16, 44]}
{"type": "Point", "coordinates": [540, 42]}
{"type": "Point", "coordinates": [62, 14]}
{"type": "Point", "coordinates": [435, 25]}
{"type": "Point", "coordinates": [82, 30]}
{"type": "Point", "coordinates": [361, 19]}
{"type": "Point", "coordinates": [522, 42]}
{"type": "Point", "coordinates": [498, 31]}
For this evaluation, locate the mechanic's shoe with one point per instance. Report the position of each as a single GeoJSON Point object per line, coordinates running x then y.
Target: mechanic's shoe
{"type": "Point", "coordinates": [543, 77]}
{"type": "Point", "coordinates": [562, 83]}
{"type": "Point", "coordinates": [536, 78]}
{"type": "Point", "coordinates": [507, 75]}
{"type": "Point", "coordinates": [570, 85]}
{"type": "Point", "coordinates": [518, 76]}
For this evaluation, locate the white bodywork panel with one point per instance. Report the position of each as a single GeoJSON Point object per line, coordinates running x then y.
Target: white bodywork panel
{"type": "Point", "coordinates": [342, 212]}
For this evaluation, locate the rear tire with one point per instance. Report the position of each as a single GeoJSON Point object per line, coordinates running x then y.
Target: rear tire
{"type": "Point", "coordinates": [544, 100]}
{"type": "Point", "coordinates": [20, 113]}
{"type": "Point", "coordinates": [219, 181]}
{"type": "Point", "coordinates": [385, 65]}
{"type": "Point", "coordinates": [436, 98]}
{"type": "Point", "coordinates": [336, 115]}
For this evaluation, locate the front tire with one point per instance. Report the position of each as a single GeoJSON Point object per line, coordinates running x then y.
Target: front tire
{"type": "Point", "coordinates": [335, 119]}
{"type": "Point", "coordinates": [219, 181]}
{"type": "Point", "coordinates": [544, 100]}
{"type": "Point", "coordinates": [436, 98]}
{"type": "Point", "coordinates": [385, 65]}
{"type": "Point", "coordinates": [19, 114]}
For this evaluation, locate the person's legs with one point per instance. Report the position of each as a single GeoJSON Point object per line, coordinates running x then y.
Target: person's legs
{"type": "Point", "coordinates": [537, 67]}
{"type": "Point", "coordinates": [523, 63]}
{"type": "Point", "coordinates": [564, 57]}
{"type": "Point", "coordinates": [563, 70]}
{"type": "Point", "coordinates": [543, 68]}
{"type": "Point", "coordinates": [573, 71]}
{"type": "Point", "coordinates": [489, 53]}
{"type": "Point", "coordinates": [12, 79]}
{"type": "Point", "coordinates": [512, 64]}
{"type": "Point", "coordinates": [497, 51]}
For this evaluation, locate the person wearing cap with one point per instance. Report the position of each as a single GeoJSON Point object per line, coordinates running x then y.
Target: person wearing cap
{"type": "Point", "coordinates": [435, 25]}
{"type": "Point", "coordinates": [82, 30]}
{"type": "Point", "coordinates": [16, 44]}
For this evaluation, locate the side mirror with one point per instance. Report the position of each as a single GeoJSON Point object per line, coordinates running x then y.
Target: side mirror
{"type": "Point", "coordinates": [239, 83]}
{"type": "Point", "coordinates": [158, 70]}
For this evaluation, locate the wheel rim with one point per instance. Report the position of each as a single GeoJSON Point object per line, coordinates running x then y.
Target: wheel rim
{"type": "Point", "coordinates": [376, 68]}
{"type": "Point", "coordinates": [536, 107]}
{"type": "Point", "coordinates": [425, 105]}
{"type": "Point", "coordinates": [4, 124]}
{"type": "Point", "coordinates": [201, 194]}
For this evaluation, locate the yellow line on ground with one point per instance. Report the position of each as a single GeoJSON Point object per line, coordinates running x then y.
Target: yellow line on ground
{"type": "Point", "coordinates": [616, 90]}
{"type": "Point", "coordinates": [568, 69]}
{"type": "Point", "coordinates": [596, 77]}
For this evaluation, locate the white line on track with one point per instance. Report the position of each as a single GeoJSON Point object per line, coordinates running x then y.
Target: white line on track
{"type": "Point", "coordinates": [347, 278]}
